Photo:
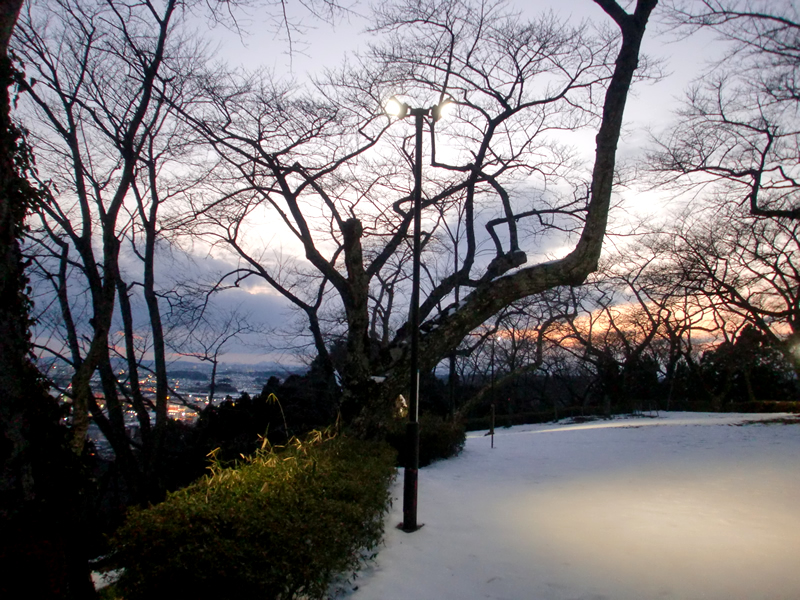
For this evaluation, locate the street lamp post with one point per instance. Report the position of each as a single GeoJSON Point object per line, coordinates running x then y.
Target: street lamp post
{"type": "Point", "coordinates": [400, 110]}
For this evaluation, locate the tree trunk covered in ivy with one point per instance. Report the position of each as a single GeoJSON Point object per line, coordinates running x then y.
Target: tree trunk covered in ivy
{"type": "Point", "coordinates": [40, 543]}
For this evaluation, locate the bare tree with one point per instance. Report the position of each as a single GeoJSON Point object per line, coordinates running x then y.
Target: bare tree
{"type": "Point", "coordinates": [737, 131]}
{"type": "Point", "coordinates": [519, 341]}
{"type": "Point", "coordinates": [621, 322]}
{"type": "Point", "coordinates": [323, 164]}
{"type": "Point", "coordinates": [620, 337]}
{"type": "Point", "coordinates": [207, 337]}
{"type": "Point", "coordinates": [747, 269]}
{"type": "Point", "coordinates": [103, 79]}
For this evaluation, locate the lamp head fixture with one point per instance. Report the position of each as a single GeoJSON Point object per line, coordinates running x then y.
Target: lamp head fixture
{"type": "Point", "coordinates": [442, 109]}
{"type": "Point", "coordinates": [395, 108]}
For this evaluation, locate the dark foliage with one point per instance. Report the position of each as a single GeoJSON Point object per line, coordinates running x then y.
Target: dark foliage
{"type": "Point", "coordinates": [282, 410]}
{"type": "Point", "coordinates": [748, 370]}
{"type": "Point", "coordinates": [439, 438]}
{"type": "Point", "coordinates": [52, 530]}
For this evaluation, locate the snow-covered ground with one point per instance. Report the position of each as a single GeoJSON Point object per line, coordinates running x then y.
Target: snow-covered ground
{"type": "Point", "coordinates": [682, 506]}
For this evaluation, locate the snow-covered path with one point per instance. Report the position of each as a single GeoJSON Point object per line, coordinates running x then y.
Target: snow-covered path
{"type": "Point", "coordinates": [683, 506]}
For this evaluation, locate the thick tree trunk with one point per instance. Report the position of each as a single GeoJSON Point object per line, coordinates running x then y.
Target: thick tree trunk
{"type": "Point", "coordinates": [358, 385]}
{"type": "Point", "coordinates": [155, 450]}
{"type": "Point", "coordinates": [39, 516]}
{"type": "Point", "coordinates": [16, 374]}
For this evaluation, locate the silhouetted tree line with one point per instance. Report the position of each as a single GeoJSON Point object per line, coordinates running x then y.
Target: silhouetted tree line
{"type": "Point", "coordinates": [746, 374]}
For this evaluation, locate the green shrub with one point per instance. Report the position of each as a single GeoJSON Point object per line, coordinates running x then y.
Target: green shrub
{"type": "Point", "coordinates": [280, 525]}
{"type": "Point", "coordinates": [438, 439]}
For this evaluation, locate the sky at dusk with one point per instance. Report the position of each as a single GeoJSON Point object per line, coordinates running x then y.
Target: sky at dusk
{"type": "Point", "coordinates": [318, 45]}
{"type": "Point", "coordinates": [259, 40]}
{"type": "Point", "coordinates": [261, 43]}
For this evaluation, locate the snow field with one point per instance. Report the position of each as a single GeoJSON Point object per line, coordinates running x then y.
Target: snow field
{"type": "Point", "coordinates": [682, 506]}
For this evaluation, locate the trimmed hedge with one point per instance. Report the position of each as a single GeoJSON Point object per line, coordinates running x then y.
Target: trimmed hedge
{"type": "Point", "coordinates": [281, 525]}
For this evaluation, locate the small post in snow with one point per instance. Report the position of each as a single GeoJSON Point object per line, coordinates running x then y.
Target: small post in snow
{"type": "Point", "coordinates": [491, 429]}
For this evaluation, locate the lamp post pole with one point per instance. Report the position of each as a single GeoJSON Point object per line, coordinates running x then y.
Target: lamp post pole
{"type": "Point", "coordinates": [400, 110]}
{"type": "Point", "coordinates": [411, 471]}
